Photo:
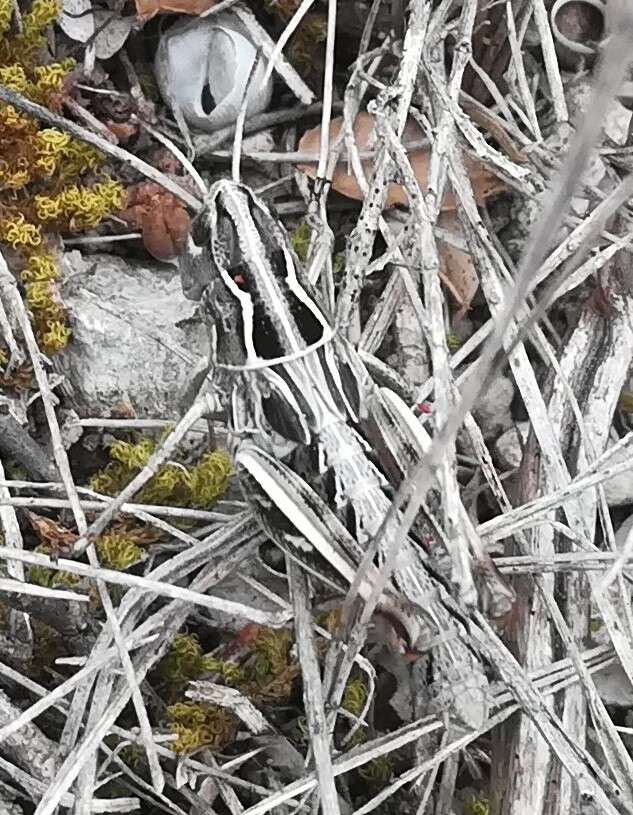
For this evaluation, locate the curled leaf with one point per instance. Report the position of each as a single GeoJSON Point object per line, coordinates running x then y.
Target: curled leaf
{"type": "Point", "coordinates": [53, 535]}
{"type": "Point", "coordinates": [160, 216]}
{"type": "Point", "coordinates": [484, 182]}
{"type": "Point", "coordinates": [458, 270]}
{"type": "Point", "coordinates": [146, 9]}
{"type": "Point", "coordinates": [124, 131]}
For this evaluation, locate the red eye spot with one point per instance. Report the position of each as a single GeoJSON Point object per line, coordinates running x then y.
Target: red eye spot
{"type": "Point", "coordinates": [239, 279]}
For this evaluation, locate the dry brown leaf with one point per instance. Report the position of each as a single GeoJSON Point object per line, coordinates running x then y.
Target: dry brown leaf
{"type": "Point", "coordinates": [58, 538]}
{"type": "Point", "coordinates": [19, 380]}
{"type": "Point", "coordinates": [485, 183]}
{"type": "Point", "coordinates": [146, 9]}
{"type": "Point", "coordinates": [160, 216]}
{"type": "Point", "coordinates": [122, 410]}
{"type": "Point", "coordinates": [124, 131]}
{"type": "Point", "coordinates": [458, 270]}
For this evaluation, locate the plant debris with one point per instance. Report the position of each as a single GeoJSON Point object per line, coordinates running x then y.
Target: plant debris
{"type": "Point", "coordinates": [316, 383]}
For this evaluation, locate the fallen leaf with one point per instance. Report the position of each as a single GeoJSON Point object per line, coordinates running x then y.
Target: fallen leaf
{"type": "Point", "coordinates": [458, 270]}
{"type": "Point", "coordinates": [19, 380]}
{"type": "Point", "coordinates": [122, 130]}
{"type": "Point", "coordinates": [485, 183]}
{"type": "Point", "coordinates": [57, 537]}
{"type": "Point", "coordinates": [122, 410]}
{"type": "Point", "coordinates": [146, 9]}
{"type": "Point", "coordinates": [160, 216]}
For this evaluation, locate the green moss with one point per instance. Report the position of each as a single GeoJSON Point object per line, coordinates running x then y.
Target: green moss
{"type": "Point", "coordinates": [51, 578]}
{"type": "Point", "coordinates": [477, 806]}
{"type": "Point", "coordinates": [184, 661]}
{"type": "Point", "coordinates": [196, 486]}
{"type": "Point", "coordinates": [117, 550]}
{"type": "Point", "coordinates": [272, 648]}
{"type": "Point", "coordinates": [270, 672]}
{"type": "Point", "coordinates": [229, 671]}
{"type": "Point", "coordinates": [51, 182]}
{"type": "Point", "coordinates": [132, 755]}
{"type": "Point", "coordinates": [625, 402]}
{"type": "Point", "coordinates": [377, 772]}
{"type": "Point", "coordinates": [355, 696]}
{"type": "Point", "coordinates": [453, 341]}
{"type": "Point", "coordinates": [300, 240]}
{"type": "Point", "coordinates": [200, 725]}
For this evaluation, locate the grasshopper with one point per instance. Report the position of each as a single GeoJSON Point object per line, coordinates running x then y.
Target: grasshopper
{"type": "Point", "coordinates": [291, 382]}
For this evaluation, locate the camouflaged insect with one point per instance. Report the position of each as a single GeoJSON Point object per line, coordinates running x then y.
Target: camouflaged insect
{"type": "Point", "coordinates": [292, 382]}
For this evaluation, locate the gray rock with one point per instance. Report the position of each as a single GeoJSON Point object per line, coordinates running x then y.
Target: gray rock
{"type": "Point", "coordinates": [523, 212]}
{"type": "Point", "coordinates": [614, 686]}
{"type": "Point", "coordinates": [619, 490]}
{"type": "Point", "coordinates": [135, 339]}
{"type": "Point", "coordinates": [492, 410]}
{"type": "Point", "coordinates": [508, 448]}
{"type": "Point", "coordinates": [623, 530]}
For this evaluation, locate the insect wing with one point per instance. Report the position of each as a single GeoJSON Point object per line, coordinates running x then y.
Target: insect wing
{"type": "Point", "coordinates": [307, 530]}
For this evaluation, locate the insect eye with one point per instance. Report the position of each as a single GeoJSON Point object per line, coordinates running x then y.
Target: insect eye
{"type": "Point", "coordinates": [239, 277]}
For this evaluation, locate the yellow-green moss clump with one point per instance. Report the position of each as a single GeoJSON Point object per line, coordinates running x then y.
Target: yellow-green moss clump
{"type": "Point", "coordinates": [306, 46]}
{"type": "Point", "coordinates": [300, 240]}
{"type": "Point", "coordinates": [477, 806]}
{"type": "Point", "coordinates": [355, 697]}
{"type": "Point", "coordinates": [266, 675]}
{"type": "Point", "coordinates": [51, 578]}
{"type": "Point", "coordinates": [270, 671]}
{"type": "Point", "coordinates": [185, 662]}
{"type": "Point", "coordinates": [453, 341]}
{"type": "Point", "coordinates": [48, 181]}
{"type": "Point", "coordinates": [200, 725]}
{"type": "Point", "coordinates": [118, 550]}
{"type": "Point", "coordinates": [196, 485]}
{"type": "Point", "coordinates": [376, 772]}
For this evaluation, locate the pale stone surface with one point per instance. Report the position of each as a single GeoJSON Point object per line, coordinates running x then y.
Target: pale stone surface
{"type": "Point", "coordinates": [492, 410]}
{"type": "Point", "coordinates": [509, 446]}
{"type": "Point", "coordinates": [135, 336]}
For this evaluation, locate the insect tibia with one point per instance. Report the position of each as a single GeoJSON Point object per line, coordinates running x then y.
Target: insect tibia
{"type": "Point", "coordinates": [343, 452]}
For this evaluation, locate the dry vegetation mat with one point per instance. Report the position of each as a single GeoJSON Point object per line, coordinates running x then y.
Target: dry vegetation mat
{"type": "Point", "coordinates": [316, 334]}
